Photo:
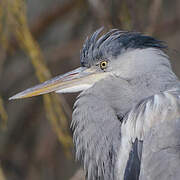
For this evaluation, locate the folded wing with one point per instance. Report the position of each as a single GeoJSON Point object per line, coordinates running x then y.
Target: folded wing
{"type": "Point", "coordinates": [156, 122]}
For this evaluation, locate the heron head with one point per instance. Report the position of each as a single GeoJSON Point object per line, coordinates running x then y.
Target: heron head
{"type": "Point", "coordinates": [116, 53]}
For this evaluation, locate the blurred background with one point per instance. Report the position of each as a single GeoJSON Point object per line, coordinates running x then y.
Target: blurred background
{"type": "Point", "coordinates": [42, 38]}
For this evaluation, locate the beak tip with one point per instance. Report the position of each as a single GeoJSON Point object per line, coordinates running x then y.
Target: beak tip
{"type": "Point", "coordinates": [16, 96]}
{"type": "Point", "coordinates": [13, 97]}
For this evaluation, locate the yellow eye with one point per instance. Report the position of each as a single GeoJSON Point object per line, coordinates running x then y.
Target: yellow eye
{"type": "Point", "coordinates": [103, 65]}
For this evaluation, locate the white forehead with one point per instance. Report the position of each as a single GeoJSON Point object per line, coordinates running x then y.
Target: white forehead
{"type": "Point", "coordinates": [135, 61]}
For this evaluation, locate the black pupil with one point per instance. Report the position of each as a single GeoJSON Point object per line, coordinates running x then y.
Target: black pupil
{"type": "Point", "coordinates": [103, 64]}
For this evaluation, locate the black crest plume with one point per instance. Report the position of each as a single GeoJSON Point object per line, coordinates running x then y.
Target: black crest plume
{"type": "Point", "coordinates": [113, 43]}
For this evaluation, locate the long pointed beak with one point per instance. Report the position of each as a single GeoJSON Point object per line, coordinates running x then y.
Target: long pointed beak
{"type": "Point", "coordinates": [77, 80]}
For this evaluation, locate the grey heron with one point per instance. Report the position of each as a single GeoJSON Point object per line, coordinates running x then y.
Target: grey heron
{"type": "Point", "coordinates": [126, 120]}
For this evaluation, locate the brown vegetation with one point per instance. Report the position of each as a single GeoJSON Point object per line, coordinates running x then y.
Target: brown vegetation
{"type": "Point", "coordinates": [37, 37]}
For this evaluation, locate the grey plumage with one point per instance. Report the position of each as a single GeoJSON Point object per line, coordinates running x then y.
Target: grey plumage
{"type": "Point", "coordinates": [154, 115]}
{"type": "Point", "coordinates": [126, 120]}
{"type": "Point", "coordinates": [161, 147]}
{"type": "Point", "coordinates": [94, 137]}
{"type": "Point", "coordinates": [96, 125]}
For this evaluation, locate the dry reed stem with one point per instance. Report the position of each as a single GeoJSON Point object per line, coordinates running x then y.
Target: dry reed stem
{"type": "Point", "coordinates": [54, 111]}
{"type": "Point", "coordinates": [3, 114]}
{"type": "Point", "coordinates": [2, 176]}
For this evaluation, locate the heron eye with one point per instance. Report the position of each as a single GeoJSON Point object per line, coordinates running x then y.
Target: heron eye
{"type": "Point", "coordinates": [103, 65]}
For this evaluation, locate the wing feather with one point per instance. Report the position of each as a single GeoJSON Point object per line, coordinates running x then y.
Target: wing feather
{"type": "Point", "coordinates": [156, 122]}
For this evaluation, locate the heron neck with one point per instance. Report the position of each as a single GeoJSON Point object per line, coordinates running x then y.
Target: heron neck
{"type": "Point", "coordinates": [96, 134]}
